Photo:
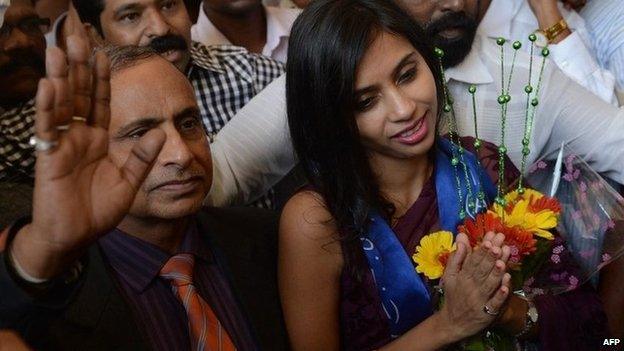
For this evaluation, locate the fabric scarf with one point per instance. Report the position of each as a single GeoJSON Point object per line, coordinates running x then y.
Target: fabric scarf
{"type": "Point", "coordinates": [404, 295]}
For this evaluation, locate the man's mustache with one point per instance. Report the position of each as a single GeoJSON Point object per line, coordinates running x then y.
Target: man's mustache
{"type": "Point", "coordinates": [168, 42]}
{"type": "Point", "coordinates": [451, 20]}
{"type": "Point", "coordinates": [21, 58]}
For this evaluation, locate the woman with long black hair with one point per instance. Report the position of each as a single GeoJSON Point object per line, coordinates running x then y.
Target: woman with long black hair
{"type": "Point", "coordinates": [364, 97]}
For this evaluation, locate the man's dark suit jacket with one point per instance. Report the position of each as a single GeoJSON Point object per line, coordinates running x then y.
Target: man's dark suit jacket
{"type": "Point", "coordinates": [90, 313]}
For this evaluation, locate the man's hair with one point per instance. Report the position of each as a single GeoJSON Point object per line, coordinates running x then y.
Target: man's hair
{"type": "Point", "coordinates": [90, 11]}
{"type": "Point", "coordinates": [122, 57]}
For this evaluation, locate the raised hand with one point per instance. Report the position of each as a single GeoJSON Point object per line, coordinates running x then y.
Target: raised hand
{"type": "Point", "coordinates": [475, 285]}
{"type": "Point", "coordinates": [79, 193]}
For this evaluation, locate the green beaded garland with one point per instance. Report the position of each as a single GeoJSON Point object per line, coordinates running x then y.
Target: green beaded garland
{"type": "Point", "coordinates": [532, 37]}
{"type": "Point", "coordinates": [454, 161]}
{"type": "Point", "coordinates": [501, 99]}
{"type": "Point", "coordinates": [477, 144]}
{"type": "Point", "coordinates": [526, 151]}
{"type": "Point", "coordinates": [471, 206]}
{"type": "Point", "coordinates": [438, 52]}
{"type": "Point", "coordinates": [507, 98]}
{"type": "Point", "coordinates": [502, 149]}
{"type": "Point", "coordinates": [481, 195]}
{"type": "Point", "coordinates": [517, 45]}
{"type": "Point", "coordinates": [462, 214]}
{"type": "Point", "coordinates": [525, 141]}
{"type": "Point", "coordinates": [447, 108]}
{"type": "Point", "coordinates": [521, 191]}
{"type": "Point", "coordinates": [472, 89]}
{"type": "Point", "coordinates": [500, 41]}
{"type": "Point", "coordinates": [534, 102]}
{"type": "Point", "coordinates": [528, 89]}
{"type": "Point", "coordinates": [545, 52]}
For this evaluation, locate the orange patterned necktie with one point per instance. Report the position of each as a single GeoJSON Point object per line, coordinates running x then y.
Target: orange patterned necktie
{"type": "Point", "coordinates": [206, 331]}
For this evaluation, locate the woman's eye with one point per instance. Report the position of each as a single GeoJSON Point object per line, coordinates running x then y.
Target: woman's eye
{"type": "Point", "coordinates": [407, 75]}
{"type": "Point", "coordinates": [365, 104]}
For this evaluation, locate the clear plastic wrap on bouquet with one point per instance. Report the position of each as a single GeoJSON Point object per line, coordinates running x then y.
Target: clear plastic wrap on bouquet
{"type": "Point", "coordinates": [591, 219]}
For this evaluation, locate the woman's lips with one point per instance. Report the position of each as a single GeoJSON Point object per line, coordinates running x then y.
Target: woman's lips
{"type": "Point", "coordinates": [413, 135]}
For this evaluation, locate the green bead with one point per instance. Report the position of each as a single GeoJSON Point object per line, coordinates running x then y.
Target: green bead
{"type": "Point", "coordinates": [460, 150]}
{"type": "Point", "coordinates": [534, 102]}
{"type": "Point", "coordinates": [481, 195]}
{"type": "Point", "coordinates": [507, 98]}
{"type": "Point", "coordinates": [454, 161]}
{"type": "Point", "coordinates": [438, 52]}
{"type": "Point", "coordinates": [517, 45]}
{"type": "Point", "coordinates": [471, 206]}
{"type": "Point", "coordinates": [501, 99]}
{"type": "Point", "coordinates": [545, 52]}
{"type": "Point", "coordinates": [501, 201]}
{"type": "Point", "coordinates": [472, 89]}
{"type": "Point", "coordinates": [520, 191]}
{"type": "Point", "coordinates": [532, 37]}
{"type": "Point", "coordinates": [462, 214]}
{"type": "Point", "coordinates": [447, 108]}
{"type": "Point", "coordinates": [525, 142]}
{"type": "Point", "coordinates": [526, 150]}
{"type": "Point", "coordinates": [528, 89]}
{"type": "Point", "coordinates": [500, 41]}
{"type": "Point", "coordinates": [477, 144]}
{"type": "Point", "coordinates": [502, 150]}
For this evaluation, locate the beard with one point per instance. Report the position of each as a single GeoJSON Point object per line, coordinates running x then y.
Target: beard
{"type": "Point", "coordinates": [458, 47]}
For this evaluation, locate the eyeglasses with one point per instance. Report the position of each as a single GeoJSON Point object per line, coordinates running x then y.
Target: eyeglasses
{"type": "Point", "coordinates": [28, 26]}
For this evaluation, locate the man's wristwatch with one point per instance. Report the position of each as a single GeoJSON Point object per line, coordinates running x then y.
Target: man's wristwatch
{"type": "Point", "coordinates": [531, 319]}
{"type": "Point", "coordinates": [546, 36]}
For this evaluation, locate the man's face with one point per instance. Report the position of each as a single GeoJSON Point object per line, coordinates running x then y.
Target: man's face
{"type": "Point", "coordinates": [232, 7]}
{"type": "Point", "coordinates": [162, 24]}
{"type": "Point", "coordinates": [22, 54]}
{"type": "Point", "coordinates": [452, 24]}
{"type": "Point", "coordinates": [182, 173]}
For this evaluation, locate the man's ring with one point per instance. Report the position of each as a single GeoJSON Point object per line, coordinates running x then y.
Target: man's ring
{"type": "Point", "coordinates": [42, 145]}
{"type": "Point", "coordinates": [489, 311]}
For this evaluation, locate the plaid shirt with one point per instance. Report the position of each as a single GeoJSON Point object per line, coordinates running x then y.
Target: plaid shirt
{"type": "Point", "coordinates": [17, 160]}
{"type": "Point", "coordinates": [224, 78]}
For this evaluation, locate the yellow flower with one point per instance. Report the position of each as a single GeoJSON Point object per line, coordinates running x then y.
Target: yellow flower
{"type": "Point", "coordinates": [432, 253]}
{"type": "Point", "coordinates": [518, 214]}
{"type": "Point", "coordinates": [529, 195]}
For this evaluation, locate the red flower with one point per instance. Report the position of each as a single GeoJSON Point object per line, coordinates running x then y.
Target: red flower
{"type": "Point", "coordinates": [544, 203]}
{"type": "Point", "coordinates": [481, 225]}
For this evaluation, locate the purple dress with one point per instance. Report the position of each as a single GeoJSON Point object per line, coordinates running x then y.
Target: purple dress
{"type": "Point", "coordinates": [570, 321]}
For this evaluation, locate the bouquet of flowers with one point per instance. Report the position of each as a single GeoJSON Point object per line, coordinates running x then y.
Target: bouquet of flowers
{"type": "Point", "coordinates": [528, 221]}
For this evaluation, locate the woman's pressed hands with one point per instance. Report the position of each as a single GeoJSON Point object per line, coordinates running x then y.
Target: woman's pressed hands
{"type": "Point", "coordinates": [476, 286]}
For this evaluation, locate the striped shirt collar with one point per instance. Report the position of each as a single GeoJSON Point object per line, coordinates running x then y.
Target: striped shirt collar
{"type": "Point", "coordinates": [138, 262]}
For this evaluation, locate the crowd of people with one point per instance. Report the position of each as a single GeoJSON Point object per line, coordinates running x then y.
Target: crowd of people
{"type": "Point", "coordinates": [240, 175]}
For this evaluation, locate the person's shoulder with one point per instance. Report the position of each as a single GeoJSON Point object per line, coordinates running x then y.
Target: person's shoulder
{"type": "Point", "coordinates": [306, 217]}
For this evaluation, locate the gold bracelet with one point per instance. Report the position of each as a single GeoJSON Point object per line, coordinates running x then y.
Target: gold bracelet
{"type": "Point", "coordinates": [554, 31]}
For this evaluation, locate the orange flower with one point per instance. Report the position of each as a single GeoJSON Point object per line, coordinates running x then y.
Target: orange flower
{"type": "Point", "coordinates": [521, 243]}
{"type": "Point", "coordinates": [545, 203]}
{"type": "Point", "coordinates": [481, 225]}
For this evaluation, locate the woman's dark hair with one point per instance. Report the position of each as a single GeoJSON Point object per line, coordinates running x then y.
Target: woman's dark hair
{"type": "Point", "coordinates": [327, 42]}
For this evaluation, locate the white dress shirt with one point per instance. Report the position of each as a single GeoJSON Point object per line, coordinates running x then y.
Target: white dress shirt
{"type": "Point", "coordinates": [253, 151]}
{"type": "Point", "coordinates": [574, 55]}
{"type": "Point", "coordinates": [279, 22]}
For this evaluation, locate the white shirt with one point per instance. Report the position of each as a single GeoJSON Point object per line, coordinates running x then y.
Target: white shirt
{"type": "Point", "coordinates": [279, 22]}
{"type": "Point", "coordinates": [253, 152]}
{"type": "Point", "coordinates": [574, 55]}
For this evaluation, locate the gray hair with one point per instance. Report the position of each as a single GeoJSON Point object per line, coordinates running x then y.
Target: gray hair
{"type": "Point", "coordinates": [127, 56]}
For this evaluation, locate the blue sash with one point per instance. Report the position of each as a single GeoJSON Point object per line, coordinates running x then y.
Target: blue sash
{"type": "Point", "coordinates": [404, 295]}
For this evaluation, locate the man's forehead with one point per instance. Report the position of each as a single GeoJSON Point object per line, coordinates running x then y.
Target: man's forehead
{"type": "Point", "coordinates": [117, 4]}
